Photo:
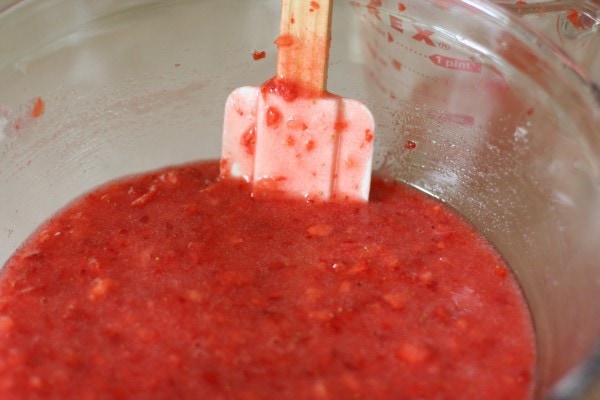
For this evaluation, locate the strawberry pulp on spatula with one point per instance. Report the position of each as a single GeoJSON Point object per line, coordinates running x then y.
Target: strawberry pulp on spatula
{"type": "Point", "coordinates": [291, 135]}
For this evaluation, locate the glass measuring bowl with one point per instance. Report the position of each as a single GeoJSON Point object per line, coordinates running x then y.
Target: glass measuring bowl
{"type": "Point", "coordinates": [472, 107]}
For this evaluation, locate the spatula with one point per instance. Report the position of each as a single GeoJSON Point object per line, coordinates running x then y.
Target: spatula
{"type": "Point", "coordinates": [291, 135]}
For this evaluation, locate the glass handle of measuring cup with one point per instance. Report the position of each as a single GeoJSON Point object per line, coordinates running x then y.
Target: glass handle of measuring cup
{"type": "Point", "coordinates": [573, 25]}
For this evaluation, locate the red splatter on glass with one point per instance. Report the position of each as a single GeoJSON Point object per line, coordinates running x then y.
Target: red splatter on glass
{"type": "Point", "coordinates": [39, 106]}
{"type": "Point", "coordinates": [574, 18]}
{"type": "Point", "coordinates": [410, 145]}
{"type": "Point", "coordinates": [258, 55]}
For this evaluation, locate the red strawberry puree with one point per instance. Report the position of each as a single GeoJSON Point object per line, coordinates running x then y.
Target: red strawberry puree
{"type": "Point", "coordinates": [175, 285]}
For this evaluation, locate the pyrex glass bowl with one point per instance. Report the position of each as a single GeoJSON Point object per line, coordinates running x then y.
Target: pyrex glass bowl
{"type": "Point", "coordinates": [502, 125]}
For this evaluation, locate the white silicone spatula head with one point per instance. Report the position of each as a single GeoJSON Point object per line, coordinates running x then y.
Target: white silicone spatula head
{"type": "Point", "coordinates": [290, 135]}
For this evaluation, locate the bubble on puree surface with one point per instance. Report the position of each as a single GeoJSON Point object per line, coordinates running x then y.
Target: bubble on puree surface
{"type": "Point", "coordinates": [174, 284]}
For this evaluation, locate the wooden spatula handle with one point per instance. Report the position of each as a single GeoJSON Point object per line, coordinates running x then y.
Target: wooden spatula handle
{"type": "Point", "coordinates": [305, 34]}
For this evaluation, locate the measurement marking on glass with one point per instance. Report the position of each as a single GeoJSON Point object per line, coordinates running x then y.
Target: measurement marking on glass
{"type": "Point", "coordinates": [455, 63]}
